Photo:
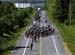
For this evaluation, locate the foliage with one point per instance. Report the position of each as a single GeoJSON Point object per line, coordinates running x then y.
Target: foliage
{"type": "Point", "coordinates": [11, 20]}
{"type": "Point", "coordinates": [60, 10]}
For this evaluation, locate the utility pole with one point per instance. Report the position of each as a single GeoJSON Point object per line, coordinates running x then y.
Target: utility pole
{"type": "Point", "coordinates": [70, 13]}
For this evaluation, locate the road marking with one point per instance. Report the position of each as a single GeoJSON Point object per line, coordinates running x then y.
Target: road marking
{"type": "Point", "coordinates": [40, 46]}
{"type": "Point", "coordinates": [55, 45]}
{"type": "Point", "coordinates": [26, 46]}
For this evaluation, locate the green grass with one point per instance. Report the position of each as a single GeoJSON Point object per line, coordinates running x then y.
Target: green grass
{"type": "Point", "coordinates": [67, 32]}
{"type": "Point", "coordinates": [69, 37]}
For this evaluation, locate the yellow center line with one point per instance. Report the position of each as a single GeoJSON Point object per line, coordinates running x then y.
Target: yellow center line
{"type": "Point", "coordinates": [40, 45]}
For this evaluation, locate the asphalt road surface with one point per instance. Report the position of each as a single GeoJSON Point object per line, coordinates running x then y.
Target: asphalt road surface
{"type": "Point", "coordinates": [48, 45]}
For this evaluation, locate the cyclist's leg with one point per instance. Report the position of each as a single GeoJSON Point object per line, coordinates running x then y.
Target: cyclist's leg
{"type": "Point", "coordinates": [31, 46]}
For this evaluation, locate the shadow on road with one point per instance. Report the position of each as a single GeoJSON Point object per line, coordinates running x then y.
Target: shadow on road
{"type": "Point", "coordinates": [47, 35]}
{"type": "Point", "coordinates": [15, 48]}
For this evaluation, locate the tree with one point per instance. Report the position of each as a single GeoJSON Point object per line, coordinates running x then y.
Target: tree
{"type": "Point", "coordinates": [61, 10]}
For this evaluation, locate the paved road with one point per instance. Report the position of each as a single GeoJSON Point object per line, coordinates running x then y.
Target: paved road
{"type": "Point", "coordinates": [49, 45]}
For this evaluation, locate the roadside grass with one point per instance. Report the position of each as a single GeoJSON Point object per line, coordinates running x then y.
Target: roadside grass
{"type": "Point", "coordinates": [69, 37]}
{"type": "Point", "coordinates": [67, 32]}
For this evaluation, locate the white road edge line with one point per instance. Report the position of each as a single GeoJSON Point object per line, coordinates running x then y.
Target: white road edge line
{"type": "Point", "coordinates": [55, 45]}
{"type": "Point", "coordinates": [26, 46]}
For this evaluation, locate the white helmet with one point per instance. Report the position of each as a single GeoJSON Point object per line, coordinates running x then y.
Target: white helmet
{"type": "Point", "coordinates": [39, 8]}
